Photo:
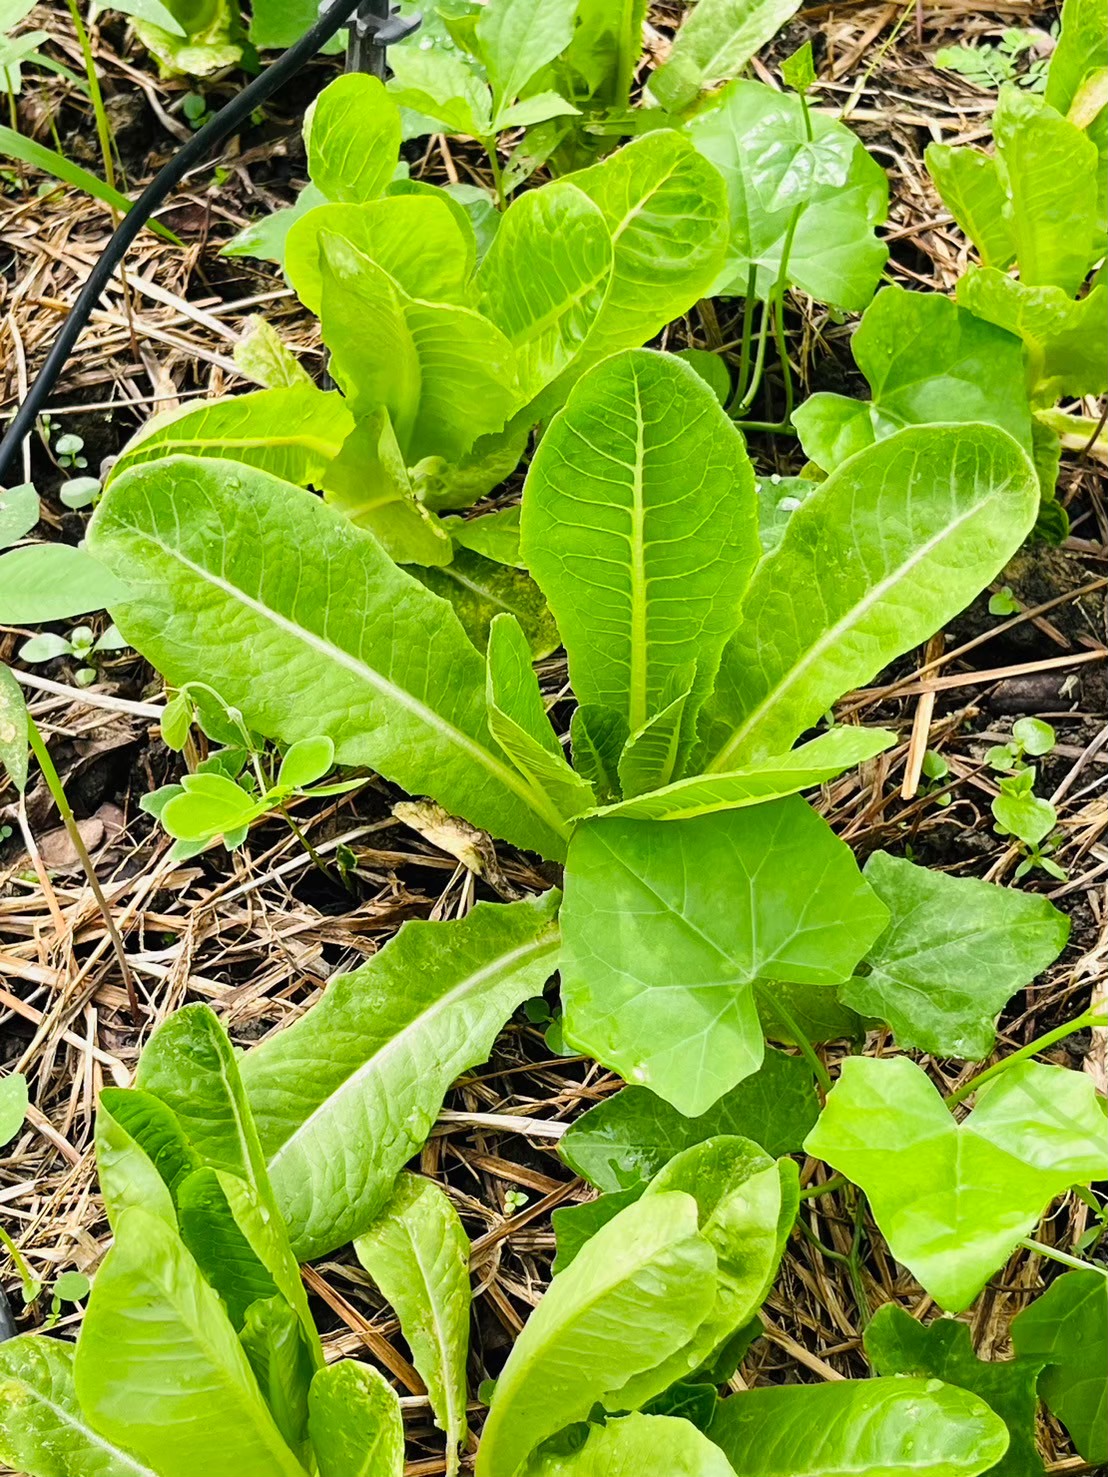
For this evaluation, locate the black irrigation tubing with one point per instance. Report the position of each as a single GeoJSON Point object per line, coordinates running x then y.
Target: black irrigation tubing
{"type": "Point", "coordinates": [374, 28]}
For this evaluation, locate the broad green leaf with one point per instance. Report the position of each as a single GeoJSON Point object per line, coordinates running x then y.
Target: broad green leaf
{"type": "Point", "coordinates": [667, 929]}
{"type": "Point", "coordinates": [573, 1225]}
{"type": "Point", "coordinates": [209, 805]}
{"type": "Point", "coordinates": [1077, 83]}
{"type": "Point", "coordinates": [1067, 1329]}
{"type": "Point", "coordinates": [51, 582]}
{"type": "Point", "coordinates": [13, 1105]}
{"type": "Point", "coordinates": [867, 1428]}
{"type": "Point", "coordinates": [637, 1291]}
{"type": "Point", "coordinates": [443, 88]}
{"type": "Point", "coordinates": [417, 241]}
{"type": "Point", "coordinates": [442, 485]}
{"type": "Point", "coordinates": [1049, 167]}
{"type": "Point", "coordinates": [712, 369]}
{"type": "Point", "coordinates": [370, 484]}
{"type": "Point", "coordinates": [142, 1154]}
{"type": "Point", "coordinates": [1066, 350]}
{"type": "Point", "coordinates": [625, 1140]}
{"type": "Point", "coordinates": [955, 951]}
{"type": "Point", "coordinates": [418, 1255]}
{"type": "Point", "coordinates": [926, 360]}
{"type": "Point", "coordinates": [597, 736]}
{"type": "Point", "coordinates": [305, 762]}
{"type": "Point", "coordinates": [747, 1204]}
{"type": "Point", "coordinates": [394, 350]}
{"type": "Point", "coordinates": [943, 1350]}
{"type": "Point", "coordinates": [972, 189]}
{"type": "Point", "coordinates": [838, 194]}
{"type": "Point", "coordinates": [813, 763]}
{"type": "Point", "coordinates": [472, 208]}
{"type": "Point", "coordinates": [355, 1422]}
{"type": "Point", "coordinates": [603, 56]}
{"type": "Point", "coordinates": [190, 1065]}
{"type": "Point", "coordinates": [633, 1446]}
{"type": "Point", "coordinates": [481, 590]}
{"type": "Point", "coordinates": [954, 1199]}
{"type": "Point", "coordinates": [492, 535]}
{"type": "Point", "coordinates": [897, 541]}
{"type": "Point", "coordinates": [651, 754]}
{"type": "Point", "coordinates": [354, 139]}
{"type": "Point", "coordinates": [273, 1342]}
{"type": "Point", "coordinates": [44, 1432]}
{"type": "Point", "coordinates": [714, 44]}
{"type": "Point", "coordinates": [19, 512]}
{"type": "Point", "coordinates": [212, 41]}
{"type": "Point", "coordinates": [537, 109]}
{"type": "Point", "coordinates": [219, 1248]}
{"type": "Point", "coordinates": [292, 433]}
{"type": "Point", "coordinates": [545, 278]}
{"type": "Point", "coordinates": [641, 492]}
{"type": "Point", "coordinates": [793, 1013]}
{"type": "Point", "coordinates": [267, 237]}
{"type": "Point", "coordinates": [13, 729]}
{"type": "Point", "coordinates": [345, 1096]}
{"type": "Point", "coordinates": [516, 39]}
{"type": "Point", "coordinates": [159, 1367]}
{"type": "Point", "coordinates": [666, 212]}
{"type": "Point", "coordinates": [518, 721]}
{"type": "Point", "coordinates": [15, 145]}
{"type": "Point", "coordinates": [389, 675]}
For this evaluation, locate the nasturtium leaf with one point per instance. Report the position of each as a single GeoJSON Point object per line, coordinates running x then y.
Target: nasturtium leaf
{"type": "Point", "coordinates": [388, 674]}
{"type": "Point", "coordinates": [418, 1255]}
{"type": "Point", "coordinates": [712, 369]}
{"type": "Point", "coordinates": [159, 1367]}
{"type": "Point", "coordinates": [715, 42]}
{"type": "Point", "coordinates": [273, 1342]}
{"type": "Point", "coordinates": [417, 241]}
{"type": "Point", "coordinates": [794, 1013]}
{"type": "Point", "coordinates": [838, 194]}
{"type": "Point", "coordinates": [19, 512]}
{"type": "Point", "coordinates": [1067, 1329]}
{"type": "Point", "coordinates": [355, 1422]}
{"type": "Point", "coordinates": [666, 210]}
{"type": "Point", "coordinates": [346, 1095]}
{"type": "Point", "coordinates": [641, 491]}
{"type": "Point", "coordinates": [868, 1428]}
{"type": "Point", "coordinates": [625, 1140]}
{"type": "Point", "coordinates": [954, 953]}
{"type": "Point", "coordinates": [354, 139]}
{"type": "Point", "coordinates": [575, 1224]}
{"type": "Point", "coordinates": [667, 929]}
{"type": "Point", "coordinates": [480, 590]}
{"type": "Point", "coordinates": [926, 360]}
{"type": "Point", "coordinates": [443, 88]}
{"type": "Point", "coordinates": [1066, 351]}
{"type": "Point", "coordinates": [632, 1446]}
{"type": "Point", "coordinates": [391, 349]}
{"type": "Point", "coordinates": [545, 279]}
{"type": "Point", "coordinates": [44, 1432]}
{"type": "Point", "coordinates": [1049, 168]}
{"type": "Point", "coordinates": [13, 1105]}
{"type": "Point", "coordinates": [898, 540]}
{"type": "Point", "coordinates": [516, 39]}
{"type": "Point", "coordinates": [943, 1350]}
{"type": "Point", "coordinates": [142, 1154]}
{"type": "Point", "coordinates": [492, 535]}
{"type": "Point", "coordinates": [14, 729]}
{"type": "Point", "coordinates": [972, 189]}
{"type": "Point", "coordinates": [51, 582]}
{"type": "Point", "coordinates": [292, 433]}
{"type": "Point", "coordinates": [518, 721]}
{"type": "Point", "coordinates": [954, 1199]}
{"type": "Point", "coordinates": [813, 763]}
{"type": "Point", "coordinates": [747, 1203]}
{"type": "Point", "coordinates": [635, 1292]}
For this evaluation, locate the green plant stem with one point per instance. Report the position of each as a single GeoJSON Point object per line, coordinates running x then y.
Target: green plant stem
{"type": "Point", "coordinates": [1093, 1017]}
{"type": "Point", "coordinates": [1030, 1244]}
{"type": "Point", "coordinates": [747, 400]}
{"type": "Point", "coordinates": [807, 1051]}
{"type": "Point", "coordinates": [103, 132]}
{"type": "Point", "coordinates": [778, 308]}
{"type": "Point", "coordinates": [836, 1182]}
{"type": "Point", "coordinates": [54, 785]}
{"type": "Point", "coordinates": [317, 860]}
{"type": "Point", "coordinates": [22, 1269]}
{"type": "Point", "coordinates": [489, 146]}
{"type": "Point", "coordinates": [748, 329]}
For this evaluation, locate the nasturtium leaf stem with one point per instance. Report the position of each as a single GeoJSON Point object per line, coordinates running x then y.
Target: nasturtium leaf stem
{"type": "Point", "coordinates": [807, 1051]}
{"type": "Point", "coordinates": [54, 785]}
{"type": "Point", "coordinates": [1093, 1017]}
{"type": "Point", "coordinates": [1030, 1244]}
